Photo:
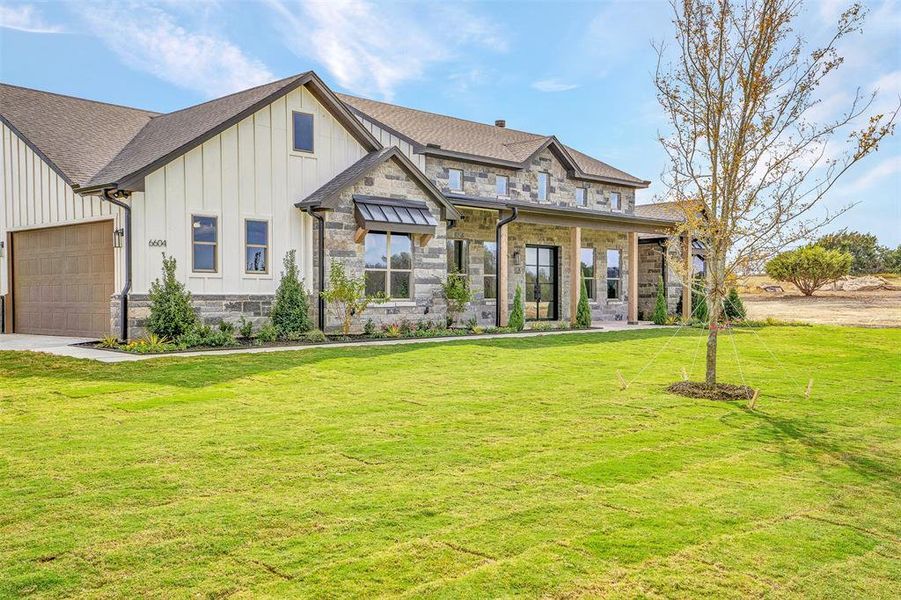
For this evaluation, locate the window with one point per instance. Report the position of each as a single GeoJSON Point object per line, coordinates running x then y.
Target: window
{"type": "Point", "coordinates": [614, 274]}
{"type": "Point", "coordinates": [256, 246]}
{"type": "Point", "coordinates": [500, 185]}
{"type": "Point", "coordinates": [587, 260]}
{"type": "Point", "coordinates": [303, 132]}
{"type": "Point", "coordinates": [457, 259]}
{"type": "Point", "coordinates": [389, 264]}
{"type": "Point", "coordinates": [490, 267]}
{"type": "Point", "coordinates": [542, 186]}
{"type": "Point", "coordinates": [204, 244]}
{"type": "Point", "coordinates": [455, 180]}
{"type": "Point", "coordinates": [581, 195]}
{"type": "Point", "coordinates": [614, 201]}
{"type": "Point", "coordinates": [699, 267]}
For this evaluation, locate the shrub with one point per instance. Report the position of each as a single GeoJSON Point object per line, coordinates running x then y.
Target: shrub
{"type": "Point", "coordinates": [457, 294]}
{"type": "Point", "coordinates": [267, 333]}
{"type": "Point", "coordinates": [583, 311]}
{"type": "Point", "coordinates": [810, 267]}
{"type": "Point", "coordinates": [659, 314]}
{"type": "Point", "coordinates": [346, 296]}
{"type": "Point", "coordinates": [517, 319]}
{"type": "Point", "coordinates": [867, 256]}
{"type": "Point", "coordinates": [171, 313]}
{"type": "Point", "coordinates": [150, 344]}
{"type": "Point", "coordinates": [246, 329]}
{"type": "Point", "coordinates": [392, 330]}
{"type": "Point", "coordinates": [733, 307]}
{"type": "Point", "coordinates": [315, 336]}
{"type": "Point", "coordinates": [699, 309]}
{"type": "Point", "coordinates": [369, 327]}
{"type": "Point", "coordinates": [108, 341]}
{"type": "Point", "coordinates": [226, 327]}
{"type": "Point", "coordinates": [204, 335]}
{"type": "Point", "coordinates": [291, 307]}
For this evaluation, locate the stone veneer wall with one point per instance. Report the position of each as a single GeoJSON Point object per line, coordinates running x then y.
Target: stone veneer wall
{"type": "Point", "coordinates": [480, 180]}
{"type": "Point", "coordinates": [429, 262]}
{"type": "Point", "coordinates": [649, 270]}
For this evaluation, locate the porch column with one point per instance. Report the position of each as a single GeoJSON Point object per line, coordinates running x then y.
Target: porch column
{"type": "Point", "coordinates": [502, 267]}
{"type": "Point", "coordinates": [575, 272]}
{"type": "Point", "coordinates": [632, 316]}
{"type": "Point", "coordinates": [686, 284]}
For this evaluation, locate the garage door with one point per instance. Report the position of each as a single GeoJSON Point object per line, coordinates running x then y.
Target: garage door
{"type": "Point", "coordinates": [63, 279]}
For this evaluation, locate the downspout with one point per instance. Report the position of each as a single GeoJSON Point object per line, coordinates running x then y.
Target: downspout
{"type": "Point", "coordinates": [321, 243]}
{"type": "Point", "coordinates": [123, 295]}
{"type": "Point", "coordinates": [497, 248]}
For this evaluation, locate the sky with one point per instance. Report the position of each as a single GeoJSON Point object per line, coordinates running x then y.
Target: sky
{"type": "Point", "coordinates": [582, 71]}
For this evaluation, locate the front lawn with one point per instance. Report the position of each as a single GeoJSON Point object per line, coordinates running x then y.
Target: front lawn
{"type": "Point", "coordinates": [464, 469]}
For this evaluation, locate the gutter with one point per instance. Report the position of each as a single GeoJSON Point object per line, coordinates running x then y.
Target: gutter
{"type": "Point", "coordinates": [123, 295]}
{"type": "Point", "coordinates": [320, 317]}
{"type": "Point", "coordinates": [497, 249]}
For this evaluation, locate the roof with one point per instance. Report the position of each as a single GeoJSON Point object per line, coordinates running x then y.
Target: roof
{"type": "Point", "coordinates": [76, 137]}
{"type": "Point", "coordinates": [326, 196]}
{"type": "Point", "coordinates": [436, 134]}
{"type": "Point", "coordinates": [661, 210]}
{"type": "Point", "coordinates": [393, 214]}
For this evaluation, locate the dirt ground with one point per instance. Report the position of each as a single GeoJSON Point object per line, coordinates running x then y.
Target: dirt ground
{"type": "Point", "coordinates": [879, 308]}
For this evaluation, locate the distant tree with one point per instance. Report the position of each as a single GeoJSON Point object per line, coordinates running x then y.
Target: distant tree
{"type": "Point", "coordinates": [866, 253]}
{"type": "Point", "coordinates": [583, 310]}
{"type": "Point", "coordinates": [809, 268]}
{"type": "Point", "coordinates": [171, 311]}
{"type": "Point", "coordinates": [892, 260]}
{"type": "Point", "coordinates": [748, 160]}
{"type": "Point", "coordinates": [291, 308]}
{"type": "Point", "coordinates": [517, 320]}
{"type": "Point", "coordinates": [659, 315]}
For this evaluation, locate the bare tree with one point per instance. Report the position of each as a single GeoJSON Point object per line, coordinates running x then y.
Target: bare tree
{"type": "Point", "coordinates": [747, 161]}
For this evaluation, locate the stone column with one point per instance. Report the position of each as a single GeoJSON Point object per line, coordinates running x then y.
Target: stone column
{"type": "Point", "coordinates": [686, 282]}
{"type": "Point", "coordinates": [632, 314]}
{"type": "Point", "coordinates": [503, 300]}
{"type": "Point", "coordinates": [575, 272]}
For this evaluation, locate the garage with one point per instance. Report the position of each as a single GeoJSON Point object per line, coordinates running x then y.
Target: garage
{"type": "Point", "coordinates": [62, 279]}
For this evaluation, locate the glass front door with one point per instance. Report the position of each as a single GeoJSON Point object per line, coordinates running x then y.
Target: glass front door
{"type": "Point", "coordinates": [541, 283]}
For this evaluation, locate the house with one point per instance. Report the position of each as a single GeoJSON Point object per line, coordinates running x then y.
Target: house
{"type": "Point", "coordinates": [94, 194]}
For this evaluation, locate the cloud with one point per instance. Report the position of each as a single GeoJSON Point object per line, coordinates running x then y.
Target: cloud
{"type": "Point", "coordinates": [553, 85]}
{"type": "Point", "coordinates": [147, 38]}
{"type": "Point", "coordinates": [353, 39]}
{"type": "Point", "coordinates": [25, 18]}
{"type": "Point", "coordinates": [889, 167]}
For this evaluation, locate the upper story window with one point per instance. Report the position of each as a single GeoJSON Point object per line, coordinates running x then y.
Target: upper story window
{"type": "Point", "coordinates": [455, 180]}
{"type": "Point", "coordinates": [303, 132]}
{"type": "Point", "coordinates": [204, 244]}
{"type": "Point", "coordinates": [500, 185]}
{"type": "Point", "coordinates": [543, 185]}
{"type": "Point", "coordinates": [388, 264]}
{"type": "Point", "coordinates": [582, 197]}
{"type": "Point", "coordinates": [615, 203]}
{"type": "Point", "coordinates": [256, 246]}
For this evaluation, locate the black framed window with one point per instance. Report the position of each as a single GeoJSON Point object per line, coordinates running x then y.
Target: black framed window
{"type": "Point", "coordinates": [614, 274]}
{"type": "Point", "coordinates": [256, 246]}
{"type": "Point", "coordinates": [490, 269]}
{"type": "Point", "coordinates": [389, 264]}
{"type": "Point", "coordinates": [455, 180]}
{"type": "Point", "coordinates": [303, 132]}
{"type": "Point", "coordinates": [500, 185]}
{"type": "Point", "coordinates": [457, 257]}
{"type": "Point", "coordinates": [615, 202]}
{"type": "Point", "coordinates": [204, 244]}
{"type": "Point", "coordinates": [543, 180]}
{"type": "Point", "coordinates": [587, 259]}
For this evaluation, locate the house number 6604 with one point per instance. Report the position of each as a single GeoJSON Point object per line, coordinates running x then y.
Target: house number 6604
{"type": "Point", "coordinates": [157, 243]}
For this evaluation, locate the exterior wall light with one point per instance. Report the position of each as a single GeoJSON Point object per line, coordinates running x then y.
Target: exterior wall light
{"type": "Point", "coordinates": [2, 247]}
{"type": "Point", "coordinates": [118, 235]}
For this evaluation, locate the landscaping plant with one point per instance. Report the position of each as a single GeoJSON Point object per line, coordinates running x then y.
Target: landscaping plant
{"type": "Point", "coordinates": [583, 311]}
{"type": "Point", "coordinates": [346, 296]}
{"type": "Point", "coordinates": [457, 294]}
{"type": "Point", "coordinates": [267, 333]}
{"type": "Point", "coordinates": [171, 312]}
{"type": "Point", "coordinates": [246, 328]}
{"type": "Point", "coordinates": [809, 268]}
{"type": "Point", "coordinates": [659, 314]}
{"type": "Point", "coordinates": [733, 307]}
{"type": "Point", "coordinates": [517, 319]}
{"type": "Point", "coordinates": [291, 308]}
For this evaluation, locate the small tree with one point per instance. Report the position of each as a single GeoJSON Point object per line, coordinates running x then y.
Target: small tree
{"type": "Point", "coordinates": [733, 307]}
{"type": "Point", "coordinates": [291, 308]}
{"type": "Point", "coordinates": [171, 312]}
{"type": "Point", "coordinates": [809, 268]}
{"type": "Point", "coordinates": [892, 260]}
{"type": "Point", "coordinates": [517, 321]}
{"type": "Point", "coordinates": [866, 253]}
{"type": "Point", "coordinates": [659, 315]}
{"type": "Point", "coordinates": [346, 296]}
{"type": "Point", "coordinates": [458, 295]}
{"type": "Point", "coordinates": [699, 307]}
{"type": "Point", "coordinates": [583, 311]}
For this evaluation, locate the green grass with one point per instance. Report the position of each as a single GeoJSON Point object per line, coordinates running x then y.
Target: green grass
{"type": "Point", "coordinates": [463, 469]}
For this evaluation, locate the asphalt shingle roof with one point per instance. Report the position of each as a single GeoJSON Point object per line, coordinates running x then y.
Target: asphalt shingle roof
{"type": "Point", "coordinates": [660, 210]}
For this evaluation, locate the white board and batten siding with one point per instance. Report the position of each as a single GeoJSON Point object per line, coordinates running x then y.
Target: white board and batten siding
{"type": "Point", "coordinates": [249, 171]}
{"type": "Point", "coordinates": [388, 139]}
{"type": "Point", "coordinates": [35, 197]}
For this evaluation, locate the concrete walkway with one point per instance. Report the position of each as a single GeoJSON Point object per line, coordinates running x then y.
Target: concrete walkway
{"type": "Point", "coordinates": [62, 346]}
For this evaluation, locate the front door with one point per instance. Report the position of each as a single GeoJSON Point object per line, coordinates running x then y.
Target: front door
{"type": "Point", "coordinates": [541, 283]}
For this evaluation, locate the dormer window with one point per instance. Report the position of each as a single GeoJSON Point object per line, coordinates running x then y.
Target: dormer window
{"type": "Point", "coordinates": [581, 197]}
{"type": "Point", "coordinates": [455, 180]}
{"type": "Point", "coordinates": [543, 185]}
{"type": "Point", "coordinates": [500, 185]}
{"type": "Point", "coordinates": [615, 203]}
{"type": "Point", "coordinates": [303, 132]}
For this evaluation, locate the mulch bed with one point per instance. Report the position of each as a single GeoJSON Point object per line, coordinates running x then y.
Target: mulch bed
{"type": "Point", "coordinates": [720, 391]}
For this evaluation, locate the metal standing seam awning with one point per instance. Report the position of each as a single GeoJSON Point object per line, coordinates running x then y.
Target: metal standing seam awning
{"type": "Point", "coordinates": [375, 213]}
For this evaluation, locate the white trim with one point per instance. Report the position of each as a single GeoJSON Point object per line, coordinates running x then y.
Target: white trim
{"type": "Point", "coordinates": [269, 271]}
{"type": "Point", "coordinates": [112, 217]}
{"type": "Point", "coordinates": [217, 274]}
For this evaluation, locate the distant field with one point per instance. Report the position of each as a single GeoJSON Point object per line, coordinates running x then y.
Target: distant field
{"type": "Point", "coordinates": [472, 469]}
